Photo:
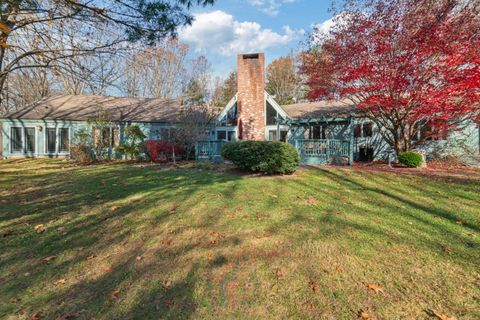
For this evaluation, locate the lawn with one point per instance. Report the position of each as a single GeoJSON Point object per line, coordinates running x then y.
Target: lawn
{"type": "Point", "coordinates": [122, 241]}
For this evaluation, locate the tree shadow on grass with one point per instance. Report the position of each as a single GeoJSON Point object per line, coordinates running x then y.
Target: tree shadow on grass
{"type": "Point", "coordinates": [388, 191]}
{"type": "Point", "coordinates": [84, 224]}
{"type": "Point", "coordinates": [389, 205]}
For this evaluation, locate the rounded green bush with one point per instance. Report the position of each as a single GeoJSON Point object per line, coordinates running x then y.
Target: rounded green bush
{"type": "Point", "coordinates": [410, 159]}
{"type": "Point", "coordinates": [262, 156]}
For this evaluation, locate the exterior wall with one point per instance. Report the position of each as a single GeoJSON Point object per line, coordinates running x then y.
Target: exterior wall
{"type": "Point", "coordinates": [463, 144]}
{"type": "Point", "coordinates": [40, 134]}
{"type": "Point", "coordinates": [376, 141]}
{"type": "Point", "coordinates": [342, 131]}
{"type": "Point", "coordinates": [251, 96]}
{"type": "Point", "coordinates": [151, 130]}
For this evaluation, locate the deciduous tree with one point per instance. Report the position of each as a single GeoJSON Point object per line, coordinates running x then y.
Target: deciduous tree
{"type": "Point", "coordinates": [29, 29]}
{"type": "Point", "coordinates": [225, 90]}
{"type": "Point", "coordinates": [157, 72]}
{"type": "Point", "coordinates": [283, 80]}
{"type": "Point", "coordinates": [405, 63]}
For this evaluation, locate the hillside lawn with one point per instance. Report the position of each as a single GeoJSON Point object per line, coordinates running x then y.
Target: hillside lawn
{"type": "Point", "coordinates": [126, 241]}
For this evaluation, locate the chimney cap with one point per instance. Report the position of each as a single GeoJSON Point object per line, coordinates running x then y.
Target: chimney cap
{"type": "Point", "coordinates": [251, 55]}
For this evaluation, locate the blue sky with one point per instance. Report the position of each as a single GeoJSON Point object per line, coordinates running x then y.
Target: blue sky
{"type": "Point", "coordinates": [230, 27]}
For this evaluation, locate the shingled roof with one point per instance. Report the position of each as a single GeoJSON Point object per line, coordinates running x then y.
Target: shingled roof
{"type": "Point", "coordinates": [321, 109]}
{"type": "Point", "coordinates": [83, 107]}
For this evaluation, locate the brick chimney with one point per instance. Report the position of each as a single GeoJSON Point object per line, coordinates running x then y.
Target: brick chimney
{"type": "Point", "coordinates": [251, 104]}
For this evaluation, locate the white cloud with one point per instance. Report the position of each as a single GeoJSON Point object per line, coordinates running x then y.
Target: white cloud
{"type": "Point", "coordinates": [322, 30]}
{"type": "Point", "coordinates": [271, 7]}
{"type": "Point", "coordinates": [218, 31]}
{"type": "Point", "coordinates": [324, 27]}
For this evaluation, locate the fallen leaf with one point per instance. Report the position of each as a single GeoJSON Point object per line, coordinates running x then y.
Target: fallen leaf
{"type": "Point", "coordinates": [90, 257]}
{"type": "Point", "coordinates": [49, 258]}
{"type": "Point", "coordinates": [114, 294]}
{"type": "Point", "coordinates": [447, 248]}
{"type": "Point", "coordinates": [36, 316]}
{"type": "Point", "coordinates": [169, 303]}
{"type": "Point", "coordinates": [167, 284]}
{"type": "Point", "coordinates": [362, 314]}
{"type": "Point", "coordinates": [438, 315]}
{"type": "Point", "coordinates": [463, 290]}
{"type": "Point", "coordinates": [267, 234]}
{"type": "Point", "coordinates": [210, 257]}
{"type": "Point", "coordinates": [114, 208]}
{"type": "Point", "coordinates": [27, 274]}
{"type": "Point", "coordinates": [167, 242]}
{"type": "Point", "coordinates": [98, 197]}
{"type": "Point", "coordinates": [338, 269]}
{"type": "Point", "coordinates": [278, 273]}
{"type": "Point", "coordinates": [313, 285]}
{"type": "Point", "coordinates": [60, 282]}
{"type": "Point", "coordinates": [139, 258]}
{"type": "Point", "coordinates": [173, 208]}
{"type": "Point", "coordinates": [39, 228]}
{"type": "Point", "coordinates": [460, 223]}
{"type": "Point", "coordinates": [375, 288]}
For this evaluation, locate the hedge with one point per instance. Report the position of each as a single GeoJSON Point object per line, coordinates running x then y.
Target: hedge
{"type": "Point", "coordinates": [410, 159]}
{"type": "Point", "coordinates": [262, 156]}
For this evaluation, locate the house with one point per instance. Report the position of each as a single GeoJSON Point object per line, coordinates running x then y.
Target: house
{"type": "Point", "coordinates": [323, 132]}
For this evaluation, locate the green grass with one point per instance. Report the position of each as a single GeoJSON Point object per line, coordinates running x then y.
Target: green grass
{"type": "Point", "coordinates": [148, 243]}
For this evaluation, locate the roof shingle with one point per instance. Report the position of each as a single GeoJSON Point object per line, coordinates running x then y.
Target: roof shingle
{"type": "Point", "coordinates": [321, 109]}
{"type": "Point", "coordinates": [83, 107]}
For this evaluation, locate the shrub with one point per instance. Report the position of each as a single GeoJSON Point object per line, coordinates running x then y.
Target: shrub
{"type": "Point", "coordinates": [262, 156]}
{"type": "Point", "coordinates": [82, 153]}
{"type": "Point", "coordinates": [134, 144]}
{"type": "Point", "coordinates": [410, 159]}
{"type": "Point", "coordinates": [161, 150]}
{"type": "Point", "coordinates": [81, 149]}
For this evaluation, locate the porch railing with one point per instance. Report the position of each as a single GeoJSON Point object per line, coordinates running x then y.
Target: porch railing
{"type": "Point", "coordinates": [206, 150]}
{"type": "Point", "coordinates": [323, 151]}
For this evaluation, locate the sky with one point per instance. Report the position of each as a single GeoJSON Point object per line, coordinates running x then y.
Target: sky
{"type": "Point", "coordinates": [231, 27]}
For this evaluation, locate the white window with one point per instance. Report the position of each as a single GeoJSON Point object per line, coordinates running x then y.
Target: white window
{"type": "Point", "coordinates": [22, 140]}
{"type": "Point", "coordinates": [57, 140]}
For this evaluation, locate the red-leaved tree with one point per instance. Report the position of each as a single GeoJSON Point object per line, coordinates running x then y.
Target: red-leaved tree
{"type": "Point", "coordinates": [407, 64]}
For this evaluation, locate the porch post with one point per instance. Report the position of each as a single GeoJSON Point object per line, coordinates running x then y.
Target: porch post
{"type": "Point", "coordinates": [110, 137]}
{"type": "Point", "coordinates": [278, 130]}
{"type": "Point", "coordinates": [350, 157]}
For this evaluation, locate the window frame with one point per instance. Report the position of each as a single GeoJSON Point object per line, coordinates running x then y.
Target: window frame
{"type": "Point", "coordinates": [367, 129]}
{"type": "Point", "coordinates": [34, 140]}
{"type": "Point", "coordinates": [59, 130]}
{"type": "Point", "coordinates": [363, 130]}
{"type": "Point", "coordinates": [57, 141]}
{"type": "Point", "coordinates": [223, 132]}
{"type": "Point", "coordinates": [272, 135]}
{"type": "Point", "coordinates": [12, 144]}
